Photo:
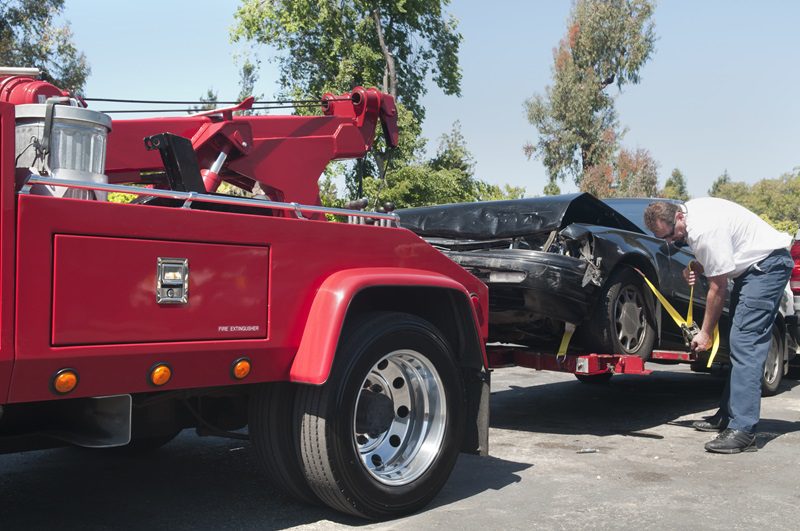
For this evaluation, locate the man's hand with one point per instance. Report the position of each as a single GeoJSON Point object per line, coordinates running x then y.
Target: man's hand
{"type": "Point", "coordinates": [693, 269]}
{"type": "Point", "coordinates": [701, 342]}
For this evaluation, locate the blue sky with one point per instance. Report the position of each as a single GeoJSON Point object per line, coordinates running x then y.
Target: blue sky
{"type": "Point", "coordinates": [720, 93]}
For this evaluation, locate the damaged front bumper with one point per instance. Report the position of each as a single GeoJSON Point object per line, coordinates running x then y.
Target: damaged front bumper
{"type": "Point", "coordinates": [531, 293]}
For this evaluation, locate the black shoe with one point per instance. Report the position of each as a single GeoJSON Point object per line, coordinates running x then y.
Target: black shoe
{"type": "Point", "coordinates": [732, 442]}
{"type": "Point", "coordinates": [713, 423]}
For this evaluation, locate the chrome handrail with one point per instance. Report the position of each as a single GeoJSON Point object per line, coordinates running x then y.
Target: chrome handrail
{"type": "Point", "coordinates": [190, 197]}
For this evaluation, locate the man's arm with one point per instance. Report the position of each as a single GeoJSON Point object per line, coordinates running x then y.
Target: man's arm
{"type": "Point", "coordinates": [715, 301]}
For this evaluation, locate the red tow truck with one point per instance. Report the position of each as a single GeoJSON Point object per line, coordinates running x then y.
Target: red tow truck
{"type": "Point", "coordinates": [352, 351]}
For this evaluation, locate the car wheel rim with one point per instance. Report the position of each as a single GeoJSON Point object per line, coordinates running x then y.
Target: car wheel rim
{"type": "Point", "coordinates": [629, 318]}
{"type": "Point", "coordinates": [772, 365]}
{"type": "Point", "coordinates": [397, 445]}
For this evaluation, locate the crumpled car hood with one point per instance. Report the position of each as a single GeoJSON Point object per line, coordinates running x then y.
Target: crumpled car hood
{"type": "Point", "coordinates": [512, 218]}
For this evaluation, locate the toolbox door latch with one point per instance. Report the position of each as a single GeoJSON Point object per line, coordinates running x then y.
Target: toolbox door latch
{"type": "Point", "coordinates": [172, 281]}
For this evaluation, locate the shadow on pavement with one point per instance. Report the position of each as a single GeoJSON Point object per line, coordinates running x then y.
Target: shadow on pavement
{"type": "Point", "coordinates": [191, 483]}
{"type": "Point", "coordinates": [770, 429]}
{"type": "Point", "coordinates": [211, 483]}
{"type": "Point", "coordinates": [475, 474]}
{"type": "Point", "coordinates": [627, 405]}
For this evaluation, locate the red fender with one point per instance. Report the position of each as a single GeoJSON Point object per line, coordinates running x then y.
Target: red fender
{"type": "Point", "coordinates": [329, 309]}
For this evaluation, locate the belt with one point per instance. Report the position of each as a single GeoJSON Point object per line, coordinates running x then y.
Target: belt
{"type": "Point", "coordinates": [777, 252]}
{"type": "Point", "coordinates": [754, 267]}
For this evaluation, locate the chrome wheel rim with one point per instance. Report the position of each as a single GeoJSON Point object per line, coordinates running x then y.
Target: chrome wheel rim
{"type": "Point", "coordinates": [629, 318]}
{"type": "Point", "coordinates": [411, 434]}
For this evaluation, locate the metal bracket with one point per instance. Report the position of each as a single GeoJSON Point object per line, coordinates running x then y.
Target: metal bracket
{"type": "Point", "coordinates": [689, 331]}
{"type": "Point", "coordinates": [297, 211]}
{"type": "Point", "coordinates": [188, 202]}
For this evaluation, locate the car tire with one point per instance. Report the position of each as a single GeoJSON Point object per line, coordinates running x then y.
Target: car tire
{"type": "Point", "coordinates": [380, 438]}
{"type": "Point", "coordinates": [273, 433]}
{"type": "Point", "coordinates": [622, 322]}
{"type": "Point", "coordinates": [773, 367]}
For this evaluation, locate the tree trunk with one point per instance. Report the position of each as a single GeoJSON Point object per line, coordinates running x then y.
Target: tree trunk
{"type": "Point", "coordinates": [390, 69]}
{"type": "Point", "coordinates": [585, 162]}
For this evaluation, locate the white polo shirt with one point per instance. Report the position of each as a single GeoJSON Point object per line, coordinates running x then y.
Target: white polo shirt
{"type": "Point", "coordinates": [727, 238]}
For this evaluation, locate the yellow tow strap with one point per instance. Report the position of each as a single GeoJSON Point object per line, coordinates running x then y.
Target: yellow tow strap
{"type": "Point", "coordinates": [569, 329]}
{"type": "Point", "coordinates": [682, 323]}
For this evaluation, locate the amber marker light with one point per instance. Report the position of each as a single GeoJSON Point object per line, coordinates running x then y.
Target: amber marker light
{"type": "Point", "coordinates": [64, 381]}
{"type": "Point", "coordinates": [240, 368]}
{"type": "Point", "coordinates": [160, 374]}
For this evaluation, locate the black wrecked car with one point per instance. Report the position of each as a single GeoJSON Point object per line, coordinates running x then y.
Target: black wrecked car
{"type": "Point", "coordinates": [556, 261]}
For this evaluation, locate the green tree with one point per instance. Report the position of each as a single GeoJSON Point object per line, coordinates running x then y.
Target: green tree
{"type": "Point", "coordinates": [392, 44]}
{"type": "Point", "coordinates": [448, 177]}
{"type": "Point", "coordinates": [416, 182]}
{"type": "Point", "coordinates": [328, 193]}
{"type": "Point", "coordinates": [334, 46]}
{"type": "Point", "coordinates": [775, 200]}
{"type": "Point", "coordinates": [453, 153]}
{"type": "Point", "coordinates": [719, 184]}
{"type": "Point", "coordinates": [493, 192]}
{"type": "Point", "coordinates": [30, 37]}
{"type": "Point", "coordinates": [410, 150]}
{"type": "Point", "coordinates": [675, 187]}
{"type": "Point", "coordinates": [208, 102]}
{"type": "Point", "coordinates": [418, 185]}
{"type": "Point", "coordinates": [607, 42]}
{"type": "Point", "coordinates": [736, 191]}
{"type": "Point", "coordinates": [551, 188]}
{"type": "Point", "coordinates": [248, 76]}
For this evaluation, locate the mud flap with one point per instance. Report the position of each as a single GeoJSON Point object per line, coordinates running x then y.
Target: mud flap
{"type": "Point", "coordinates": [96, 422]}
{"type": "Point", "coordinates": [477, 388]}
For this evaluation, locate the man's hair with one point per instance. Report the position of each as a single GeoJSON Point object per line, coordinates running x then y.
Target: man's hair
{"type": "Point", "coordinates": [662, 210]}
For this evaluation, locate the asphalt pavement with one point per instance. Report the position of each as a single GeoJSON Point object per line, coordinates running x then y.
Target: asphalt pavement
{"type": "Point", "coordinates": [564, 455]}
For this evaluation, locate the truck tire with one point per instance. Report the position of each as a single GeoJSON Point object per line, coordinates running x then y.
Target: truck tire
{"type": "Point", "coordinates": [622, 323]}
{"type": "Point", "coordinates": [273, 433]}
{"type": "Point", "coordinates": [381, 437]}
{"type": "Point", "coordinates": [773, 368]}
